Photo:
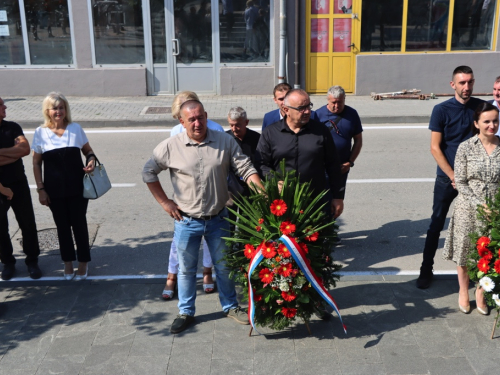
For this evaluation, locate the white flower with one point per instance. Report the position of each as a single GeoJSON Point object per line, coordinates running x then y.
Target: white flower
{"type": "Point", "coordinates": [284, 286]}
{"type": "Point", "coordinates": [487, 284]}
{"type": "Point", "coordinates": [496, 298]}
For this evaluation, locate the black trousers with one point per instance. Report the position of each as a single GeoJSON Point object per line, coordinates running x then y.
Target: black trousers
{"type": "Point", "coordinates": [23, 210]}
{"type": "Point", "coordinates": [70, 215]}
{"type": "Point", "coordinates": [444, 194]}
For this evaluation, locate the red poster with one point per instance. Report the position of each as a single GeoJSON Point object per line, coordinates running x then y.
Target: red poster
{"type": "Point", "coordinates": [319, 35]}
{"type": "Point", "coordinates": [320, 6]}
{"type": "Point", "coordinates": [342, 35]}
{"type": "Point", "coordinates": [342, 6]}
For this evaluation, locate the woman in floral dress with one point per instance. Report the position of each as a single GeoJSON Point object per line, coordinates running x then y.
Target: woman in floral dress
{"type": "Point", "coordinates": [477, 177]}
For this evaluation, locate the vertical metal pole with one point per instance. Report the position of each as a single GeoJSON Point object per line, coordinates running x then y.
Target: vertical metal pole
{"type": "Point", "coordinates": [282, 60]}
{"type": "Point", "coordinates": [297, 45]}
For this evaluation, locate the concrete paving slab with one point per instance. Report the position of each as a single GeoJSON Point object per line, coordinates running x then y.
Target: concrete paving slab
{"type": "Point", "coordinates": [231, 366]}
{"type": "Point", "coordinates": [403, 360]}
{"type": "Point", "coordinates": [61, 365]}
{"type": "Point", "coordinates": [449, 365]}
{"type": "Point", "coordinates": [190, 358]}
{"type": "Point", "coordinates": [265, 362]}
{"type": "Point", "coordinates": [317, 361]}
{"type": "Point", "coordinates": [151, 365]}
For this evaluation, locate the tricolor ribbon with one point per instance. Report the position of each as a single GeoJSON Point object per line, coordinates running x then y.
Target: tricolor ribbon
{"type": "Point", "coordinates": [300, 258]}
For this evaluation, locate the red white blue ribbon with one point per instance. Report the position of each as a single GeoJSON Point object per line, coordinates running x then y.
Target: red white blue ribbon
{"type": "Point", "coordinates": [300, 258]}
{"type": "Point", "coordinates": [257, 258]}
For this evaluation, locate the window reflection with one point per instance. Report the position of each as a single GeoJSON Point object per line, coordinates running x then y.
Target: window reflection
{"type": "Point", "coordinates": [244, 31]}
{"type": "Point", "coordinates": [11, 38]}
{"type": "Point", "coordinates": [157, 9]}
{"type": "Point", "coordinates": [381, 25]}
{"type": "Point", "coordinates": [427, 25]}
{"type": "Point", "coordinates": [118, 31]}
{"type": "Point", "coordinates": [193, 30]}
{"type": "Point", "coordinates": [49, 35]}
{"type": "Point", "coordinates": [473, 24]}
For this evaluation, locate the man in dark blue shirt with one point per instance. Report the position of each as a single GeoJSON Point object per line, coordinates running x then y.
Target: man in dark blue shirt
{"type": "Point", "coordinates": [450, 125]}
{"type": "Point", "coordinates": [13, 146]}
{"type": "Point", "coordinates": [345, 126]}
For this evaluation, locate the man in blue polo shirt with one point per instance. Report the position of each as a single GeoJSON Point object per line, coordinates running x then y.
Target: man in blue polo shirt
{"type": "Point", "coordinates": [345, 125]}
{"type": "Point", "coordinates": [450, 125]}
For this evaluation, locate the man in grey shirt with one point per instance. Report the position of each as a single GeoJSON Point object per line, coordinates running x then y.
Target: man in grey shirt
{"type": "Point", "coordinates": [198, 161]}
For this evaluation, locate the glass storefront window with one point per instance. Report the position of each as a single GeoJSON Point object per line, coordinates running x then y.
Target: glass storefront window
{"type": "Point", "coordinates": [11, 37]}
{"type": "Point", "coordinates": [244, 31]}
{"type": "Point", "coordinates": [473, 24]}
{"type": "Point", "coordinates": [118, 31]}
{"type": "Point", "coordinates": [158, 33]}
{"type": "Point", "coordinates": [427, 25]}
{"type": "Point", "coordinates": [49, 35]}
{"type": "Point", "coordinates": [381, 25]}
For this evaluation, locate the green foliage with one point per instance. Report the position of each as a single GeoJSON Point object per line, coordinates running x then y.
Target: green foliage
{"type": "Point", "coordinates": [307, 214]}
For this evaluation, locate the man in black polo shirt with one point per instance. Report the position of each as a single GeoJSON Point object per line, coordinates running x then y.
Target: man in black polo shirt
{"type": "Point", "coordinates": [450, 125]}
{"type": "Point", "coordinates": [13, 146]}
{"type": "Point", "coordinates": [307, 147]}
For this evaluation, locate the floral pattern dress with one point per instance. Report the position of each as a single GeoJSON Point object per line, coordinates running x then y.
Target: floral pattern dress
{"type": "Point", "coordinates": [477, 176]}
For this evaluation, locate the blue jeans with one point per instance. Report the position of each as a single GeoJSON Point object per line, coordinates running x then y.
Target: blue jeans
{"type": "Point", "coordinates": [187, 236]}
{"type": "Point", "coordinates": [444, 194]}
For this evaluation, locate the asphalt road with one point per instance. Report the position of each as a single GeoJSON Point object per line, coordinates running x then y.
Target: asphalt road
{"type": "Point", "coordinates": [383, 226]}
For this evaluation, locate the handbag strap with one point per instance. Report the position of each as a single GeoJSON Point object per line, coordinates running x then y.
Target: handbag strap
{"type": "Point", "coordinates": [97, 162]}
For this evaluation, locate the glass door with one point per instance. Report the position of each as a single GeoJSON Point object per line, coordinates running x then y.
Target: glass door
{"type": "Point", "coordinates": [332, 28]}
{"type": "Point", "coordinates": [182, 34]}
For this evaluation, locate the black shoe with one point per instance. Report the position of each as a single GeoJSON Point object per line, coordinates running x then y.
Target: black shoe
{"type": "Point", "coordinates": [181, 323]}
{"type": "Point", "coordinates": [424, 280]}
{"type": "Point", "coordinates": [8, 271]}
{"type": "Point", "coordinates": [34, 271]}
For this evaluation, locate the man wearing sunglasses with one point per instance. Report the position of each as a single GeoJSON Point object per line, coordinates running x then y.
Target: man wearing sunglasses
{"type": "Point", "coordinates": [307, 147]}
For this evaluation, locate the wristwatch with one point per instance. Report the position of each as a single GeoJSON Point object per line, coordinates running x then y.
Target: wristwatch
{"type": "Point", "coordinates": [351, 163]}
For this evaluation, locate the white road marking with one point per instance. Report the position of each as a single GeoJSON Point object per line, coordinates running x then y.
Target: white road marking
{"type": "Point", "coordinates": [389, 180]}
{"type": "Point", "coordinates": [256, 128]}
{"type": "Point", "coordinates": [200, 276]}
{"type": "Point", "coordinates": [125, 185]}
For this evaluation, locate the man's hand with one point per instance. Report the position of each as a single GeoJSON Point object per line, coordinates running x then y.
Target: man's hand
{"type": "Point", "coordinates": [172, 209]}
{"type": "Point", "coordinates": [344, 168]}
{"type": "Point", "coordinates": [337, 207]}
{"type": "Point", "coordinates": [43, 197]}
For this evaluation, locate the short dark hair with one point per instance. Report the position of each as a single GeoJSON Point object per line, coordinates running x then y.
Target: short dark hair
{"type": "Point", "coordinates": [190, 104]}
{"type": "Point", "coordinates": [497, 79]}
{"type": "Point", "coordinates": [482, 108]}
{"type": "Point", "coordinates": [281, 87]}
{"type": "Point", "coordinates": [464, 69]}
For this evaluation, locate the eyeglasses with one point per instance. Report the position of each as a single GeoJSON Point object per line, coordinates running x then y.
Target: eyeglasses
{"type": "Point", "coordinates": [302, 108]}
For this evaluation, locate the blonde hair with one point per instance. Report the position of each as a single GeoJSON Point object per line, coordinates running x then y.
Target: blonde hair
{"type": "Point", "coordinates": [51, 100]}
{"type": "Point", "coordinates": [180, 99]}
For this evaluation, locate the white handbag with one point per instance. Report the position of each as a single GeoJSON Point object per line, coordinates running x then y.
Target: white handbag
{"type": "Point", "coordinates": [97, 183]}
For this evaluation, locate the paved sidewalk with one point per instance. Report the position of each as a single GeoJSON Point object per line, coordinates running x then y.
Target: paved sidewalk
{"type": "Point", "coordinates": [109, 328]}
{"type": "Point", "coordinates": [130, 111]}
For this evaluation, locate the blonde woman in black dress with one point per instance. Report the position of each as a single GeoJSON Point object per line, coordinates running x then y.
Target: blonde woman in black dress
{"type": "Point", "coordinates": [57, 147]}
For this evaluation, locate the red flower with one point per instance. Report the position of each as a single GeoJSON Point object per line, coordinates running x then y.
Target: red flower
{"type": "Point", "coordinates": [304, 247]}
{"type": "Point", "coordinates": [301, 211]}
{"type": "Point", "coordinates": [287, 227]}
{"type": "Point", "coordinates": [283, 251]}
{"type": "Point", "coordinates": [497, 266]}
{"type": "Point", "coordinates": [258, 228]}
{"type": "Point", "coordinates": [285, 270]}
{"type": "Point", "coordinates": [266, 275]}
{"type": "Point", "coordinates": [261, 220]}
{"type": "Point", "coordinates": [257, 297]}
{"type": "Point", "coordinates": [313, 237]}
{"type": "Point", "coordinates": [482, 242]}
{"type": "Point", "coordinates": [288, 296]}
{"type": "Point", "coordinates": [289, 312]}
{"type": "Point", "coordinates": [485, 253]}
{"type": "Point", "coordinates": [483, 265]}
{"type": "Point", "coordinates": [277, 259]}
{"type": "Point", "coordinates": [278, 207]}
{"type": "Point", "coordinates": [268, 250]}
{"type": "Point", "coordinates": [294, 272]}
{"type": "Point", "coordinates": [249, 251]}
